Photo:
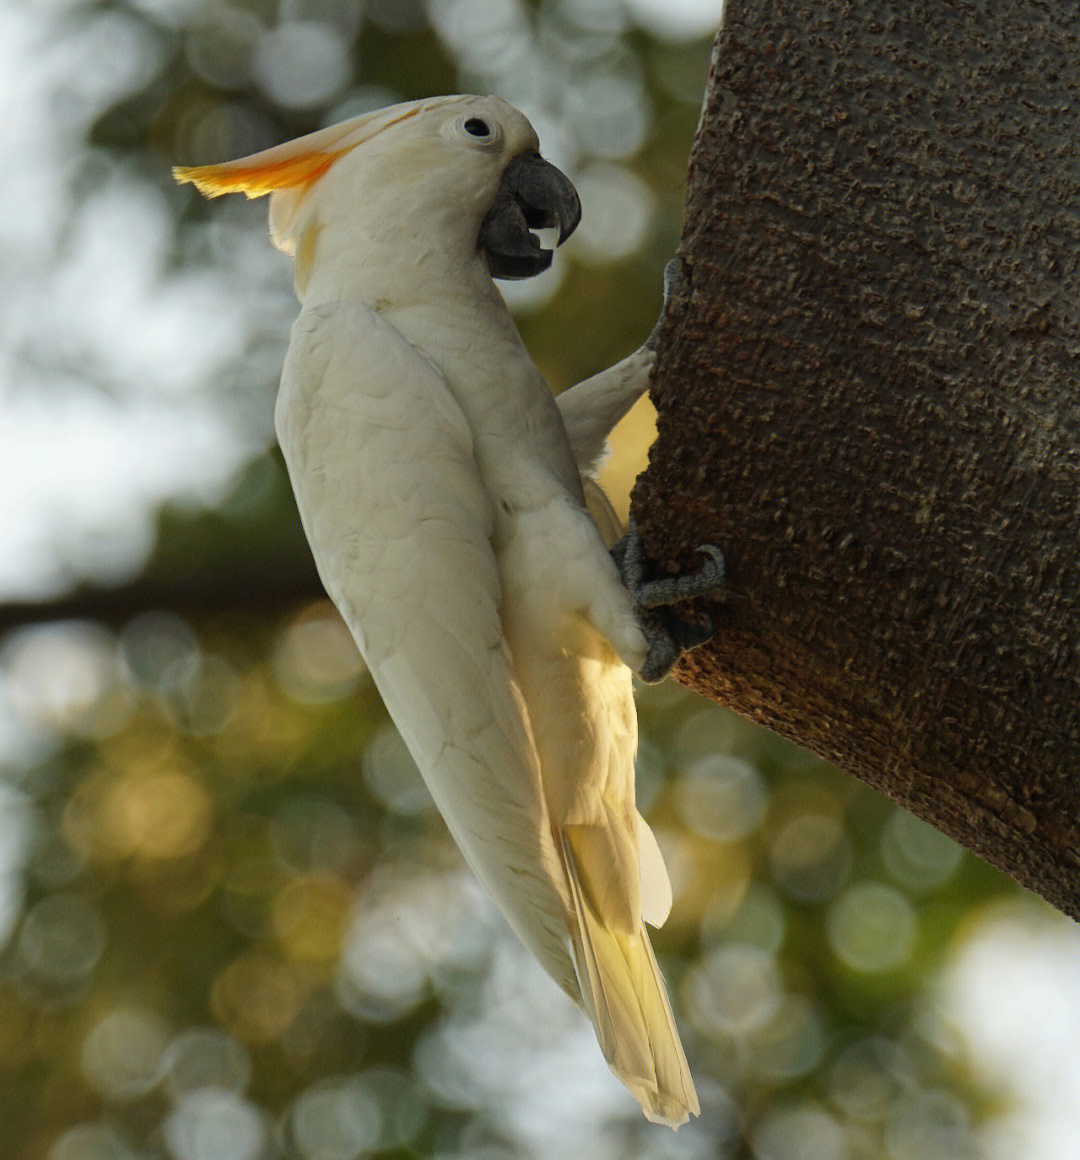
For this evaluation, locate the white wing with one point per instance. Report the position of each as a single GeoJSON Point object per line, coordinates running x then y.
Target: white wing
{"type": "Point", "coordinates": [400, 523]}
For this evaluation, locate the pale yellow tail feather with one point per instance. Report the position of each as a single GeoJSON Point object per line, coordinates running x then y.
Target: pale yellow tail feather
{"type": "Point", "coordinates": [655, 883]}
{"type": "Point", "coordinates": [623, 994]}
{"type": "Point", "coordinates": [606, 864]}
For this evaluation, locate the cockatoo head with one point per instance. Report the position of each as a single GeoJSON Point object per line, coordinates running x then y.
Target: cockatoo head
{"type": "Point", "coordinates": [448, 171]}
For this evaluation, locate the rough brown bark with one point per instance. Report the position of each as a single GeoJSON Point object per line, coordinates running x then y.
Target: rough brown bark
{"type": "Point", "coordinates": [867, 395]}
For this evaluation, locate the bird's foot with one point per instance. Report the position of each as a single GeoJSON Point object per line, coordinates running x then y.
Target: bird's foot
{"type": "Point", "coordinates": [667, 634]}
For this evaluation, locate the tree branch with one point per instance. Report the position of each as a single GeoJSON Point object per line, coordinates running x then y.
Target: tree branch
{"type": "Point", "coordinates": [867, 395]}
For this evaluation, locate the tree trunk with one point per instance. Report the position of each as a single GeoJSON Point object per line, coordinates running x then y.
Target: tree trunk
{"type": "Point", "coordinates": [867, 396]}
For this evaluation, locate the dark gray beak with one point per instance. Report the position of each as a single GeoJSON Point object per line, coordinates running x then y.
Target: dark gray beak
{"type": "Point", "coordinates": [533, 195]}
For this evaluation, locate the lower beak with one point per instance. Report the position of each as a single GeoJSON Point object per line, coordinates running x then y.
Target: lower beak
{"type": "Point", "coordinates": [532, 194]}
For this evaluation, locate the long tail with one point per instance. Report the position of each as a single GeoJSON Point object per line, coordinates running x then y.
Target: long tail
{"type": "Point", "coordinates": [624, 995]}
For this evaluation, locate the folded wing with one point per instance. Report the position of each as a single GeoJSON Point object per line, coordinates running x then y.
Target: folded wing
{"type": "Point", "coordinates": [400, 523]}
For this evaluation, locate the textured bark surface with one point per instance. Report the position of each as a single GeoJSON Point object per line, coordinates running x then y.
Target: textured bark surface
{"type": "Point", "coordinates": [867, 390]}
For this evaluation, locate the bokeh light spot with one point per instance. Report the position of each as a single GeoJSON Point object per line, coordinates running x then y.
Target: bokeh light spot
{"type": "Point", "coordinates": [314, 833]}
{"type": "Point", "coordinates": [733, 991]}
{"type": "Point", "coordinates": [309, 916]}
{"type": "Point", "coordinates": [759, 920]}
{"type": "Point", "coordinates": [478, 31]}
{"type": "Point", "coordinates": [91, 826]}
{"type": "Point", "coordinates": [791, 1044]}
{"type": "Point", "coordinates": [810, 854]}
{"type": "Point", "coordinates": [256, 997]}
{"type": "Point", "coordinates": [916, 856]}
{"type": "Point", "coordinates": [610, 112]}
{"type": "Point", "coordinates": [800, 1132]}
{"type": "Point", "coordinates": [391, 775]}
{"type": "Point", "coordinates": [165, 815]}
{"type": "Point", "coordinates": [122, 1056]}
{"type": "Point", "coordinates": [60, 675]}
{"type": "Point", "coordinates": [221, 48]}
{"type": "Point", "coordinates": [91, 1142]}
{"type": "Point", "coordinates": [61, 940]}
{"type": "Point", "coordinates": [872, 927]}
{"type": "Point", "coordinates": [336, 1120]}
{"type": "Point", "coordinates": [215, 1125]}
{"type": "Point", "coordinates": [929, 1125]}
{"type": "Point", "coordinates": [722, 797]}
{"type": "Point", "coordinates": [705, 731]}
{"type": "Point", "coordinates": [202, 693]}
{"type": "Point", "coordinates": [303, 64]}
{"type": "Point", "coordinates": [616, 211]}
{"type": "Point", "coordinates": [866, 1077]}
{"type": "Point", "coordinates": [677, 20]}
{"type": "Point", "coordinates": [409, 929]}
{"type": "Point", "coordinates": [315, 659]}
{"type": "Point", "coordinates": [152, 643]}
{"type": "Point", "coordinates": [403, 1110]}
{"type": "Point", "coordinates": [205, 1057]}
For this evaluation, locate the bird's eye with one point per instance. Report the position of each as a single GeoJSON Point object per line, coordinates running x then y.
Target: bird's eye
{"type": "Point", "coordinates": [477, 128]}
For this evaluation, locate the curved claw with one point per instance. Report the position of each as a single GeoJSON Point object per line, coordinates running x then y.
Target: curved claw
{"type": "Point", "coordinates": [714, 554]}
{"type": "Point", "coordinates": [717, 566]}
{"type": "Point", "coordinates": [671, 589]}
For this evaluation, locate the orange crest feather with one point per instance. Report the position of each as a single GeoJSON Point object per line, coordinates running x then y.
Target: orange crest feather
{"type": "Point", "coordinates": [296, 164]}
{"type": "Point", "coordinates": [291, 172]}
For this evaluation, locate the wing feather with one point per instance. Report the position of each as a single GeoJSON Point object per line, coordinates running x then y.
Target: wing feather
{"type": "Point", "coordinates": [381, 461]}
{"type": "Point", "coordinates": [591, 409]}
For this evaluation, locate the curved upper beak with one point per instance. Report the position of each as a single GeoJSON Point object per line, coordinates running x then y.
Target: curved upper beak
{"type": "Point", "coordinates": [532, 195]}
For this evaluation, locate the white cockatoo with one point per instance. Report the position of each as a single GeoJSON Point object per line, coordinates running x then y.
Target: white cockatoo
{"type": "Point", "coordinates": [441, 487]}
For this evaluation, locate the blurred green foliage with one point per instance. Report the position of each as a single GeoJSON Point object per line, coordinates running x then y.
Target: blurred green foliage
{"type": "Point", "coordinates": [231, 842]}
